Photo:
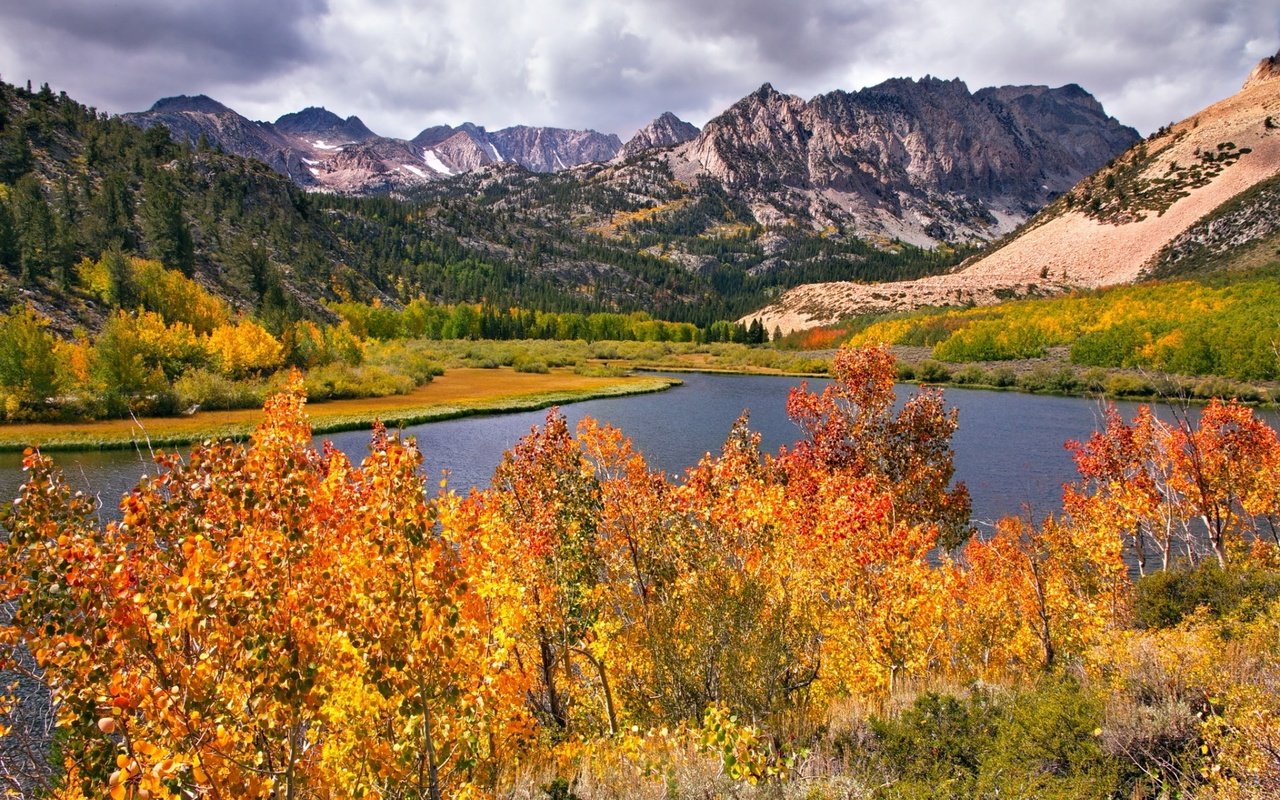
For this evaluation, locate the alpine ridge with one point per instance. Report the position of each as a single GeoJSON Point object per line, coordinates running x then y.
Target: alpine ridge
{"type": "Point", "coordinates": [919, 161]}
{"type": "Point", "coordinates": [319, 150]}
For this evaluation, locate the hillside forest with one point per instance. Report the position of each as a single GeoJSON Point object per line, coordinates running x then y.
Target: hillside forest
{"type": "Point", "coordinates": [271, 620]}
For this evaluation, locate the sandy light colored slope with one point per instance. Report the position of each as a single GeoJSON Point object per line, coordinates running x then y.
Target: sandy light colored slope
{"type": "Point", "coordinates": [1072, 250]}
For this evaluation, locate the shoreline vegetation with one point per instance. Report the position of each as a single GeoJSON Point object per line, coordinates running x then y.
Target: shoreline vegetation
{"type": "Point", "coordinates": [460, 392]}
{"type": "Point", "coordinates": [495, 376]}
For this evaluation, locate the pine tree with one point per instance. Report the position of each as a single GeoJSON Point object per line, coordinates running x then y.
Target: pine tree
{"type": "Point", "coordinates": [36, 229]}
{"type": "Point", "coordinates": [8, 239]}
{"type": "Point", "coordinates": [166, 231]}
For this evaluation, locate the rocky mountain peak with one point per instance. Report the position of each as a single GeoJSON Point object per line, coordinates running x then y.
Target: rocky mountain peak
{"type": "Point", "coordinates": [199, 103]}
{"type": "Point", "coordinates": [665, 131]}
{"type": "Point", "coordinates": [429, 137]}
{"type": "Point", "coordinates": [1266, 70]}
{"type": "Point", "coordinates": [319, 121]}
{"type": "Point", "coordinates": [922, 160]}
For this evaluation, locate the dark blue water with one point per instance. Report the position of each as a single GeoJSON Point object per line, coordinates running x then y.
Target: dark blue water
{"type": "Point", "coordinates": [1009, 447]}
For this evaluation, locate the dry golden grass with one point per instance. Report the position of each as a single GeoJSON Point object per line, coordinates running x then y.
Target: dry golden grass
{"type": "Point", "coordinates": [459, 392]}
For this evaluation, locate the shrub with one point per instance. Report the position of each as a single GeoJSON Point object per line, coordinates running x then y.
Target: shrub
{"type": "Point", "coordinates": [599, 370]}
{"type": "Point", "coordinates": [527, 364]}
{"type": "Point", "coordinates": [1043, 379]}
{"type": "Point", "coordinates": [342, 381]}
{"type": "Point", "coordinates": [1128, 386]}
{"type": "Point", "coordinates": [1004, 377]}
{"type": "Point", "coordinates": [1163, 599]}
{"type": "Point", "coordinates": [1046, 746]}
{"type": "Point", "coordinates": [939, 742]}
{"type": "Point", "coordinates": [211, 391]}
{"type": "Point", "coordinates": [972, 376]}
{"type": "Point", "coordinates": [932, 372]}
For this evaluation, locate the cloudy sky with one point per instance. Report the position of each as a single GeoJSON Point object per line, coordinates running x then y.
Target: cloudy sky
{"type": "Point", "coordinates": [402, 65]}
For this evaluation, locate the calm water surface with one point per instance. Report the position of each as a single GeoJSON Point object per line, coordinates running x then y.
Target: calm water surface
{"type": "Point", "coordinates": [1009, 447]}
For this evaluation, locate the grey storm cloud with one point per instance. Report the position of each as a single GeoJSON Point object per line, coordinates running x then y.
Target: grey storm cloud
{"type": "Point", "coordinates": [124, 54]}
{"type": "Point", "coordinates": [402, 65]}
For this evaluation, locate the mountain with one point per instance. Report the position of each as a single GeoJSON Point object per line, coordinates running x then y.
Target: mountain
{"type": "Point", "coordinates": [667, 130]}
{"type": "Point", "coordinates": [919, 161]}
{"type": "Point", "coordinates": [320, 150]}
{"type": "Point", "coordinates": [1174, 202]}
{"type": "Point", "coordinates": [191, 118]}
{"type": "Point", "coordinates": [314, 122]}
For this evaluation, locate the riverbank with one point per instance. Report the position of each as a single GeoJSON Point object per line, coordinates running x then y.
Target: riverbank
{"type": "Point", "coordinates": [1055, 374]}
{"type": "Point", "coordinates": [459, 392]}
{"type": "Point", "coordinates": [1052, 374]}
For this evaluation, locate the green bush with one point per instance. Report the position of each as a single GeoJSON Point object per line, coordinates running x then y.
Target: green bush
{"type": "Point", "coordinates": [932, 372]}
{"type": "Point", "coordinates": [1163, 599]}
{"type": "Point", "coordinates": [1047, 746]}
{"type": "Point", "coordinates": [523, 365]}
{"type": "Point", "coordinates": [936, 747]}
{"type": "Point", "coordinates": [339, 381]}
{"type": "Point", "coordinates": [1044, 379]}
{"type": "Point", "coordinates": [599, 371]}
{"type": "Point", "coordinates": [972, 376]}
{"type": "Point", "coordinates": [1128, 386]}
{"type": "Point", "coordinates": [1004, 378]}
{"type": "Point", "coordinates": [213, 391]}
{"type": "Point", "coordinates": [1045, 741]}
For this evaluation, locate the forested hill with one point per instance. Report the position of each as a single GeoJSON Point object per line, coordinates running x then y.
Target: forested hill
{"type": "Point", "coordinates": [75, 184]}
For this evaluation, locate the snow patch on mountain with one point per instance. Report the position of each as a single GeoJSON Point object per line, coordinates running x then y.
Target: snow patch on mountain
{"type": "Point", "coordinates": [435, 163]}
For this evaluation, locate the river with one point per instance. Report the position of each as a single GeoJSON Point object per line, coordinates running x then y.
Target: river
{"type": "Point", "coordinates": [1009, 446]}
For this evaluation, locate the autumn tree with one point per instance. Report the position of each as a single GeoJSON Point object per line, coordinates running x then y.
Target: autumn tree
{"type": "Point", "coordinates": [29, 368]}
{"type": "Point", "coordinates": [850, 427]}
{"type": "Point", "coordinates": [1180, 486]}
{"type": "Point", "coordinates": [545, 500]}
{"type": "Point", "coordinates": [264, 621]}
{"type": "Point", "coordinates": [1033, 594]}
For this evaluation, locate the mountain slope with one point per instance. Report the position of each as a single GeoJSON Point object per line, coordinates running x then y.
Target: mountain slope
{"type": "Point", "coordinates": [1120, 224]}
{"type": "Point", "coordinates": [78, 188]}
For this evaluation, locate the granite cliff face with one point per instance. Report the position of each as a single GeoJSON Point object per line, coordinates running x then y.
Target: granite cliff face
{"type": "Point", "coordinates": [667, 130]}
{"type": "Point", "coordinates": [922, 161]}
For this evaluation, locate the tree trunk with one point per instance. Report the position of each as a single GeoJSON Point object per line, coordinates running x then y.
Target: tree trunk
{"type": "Point", "coordinates": [549, 678]}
